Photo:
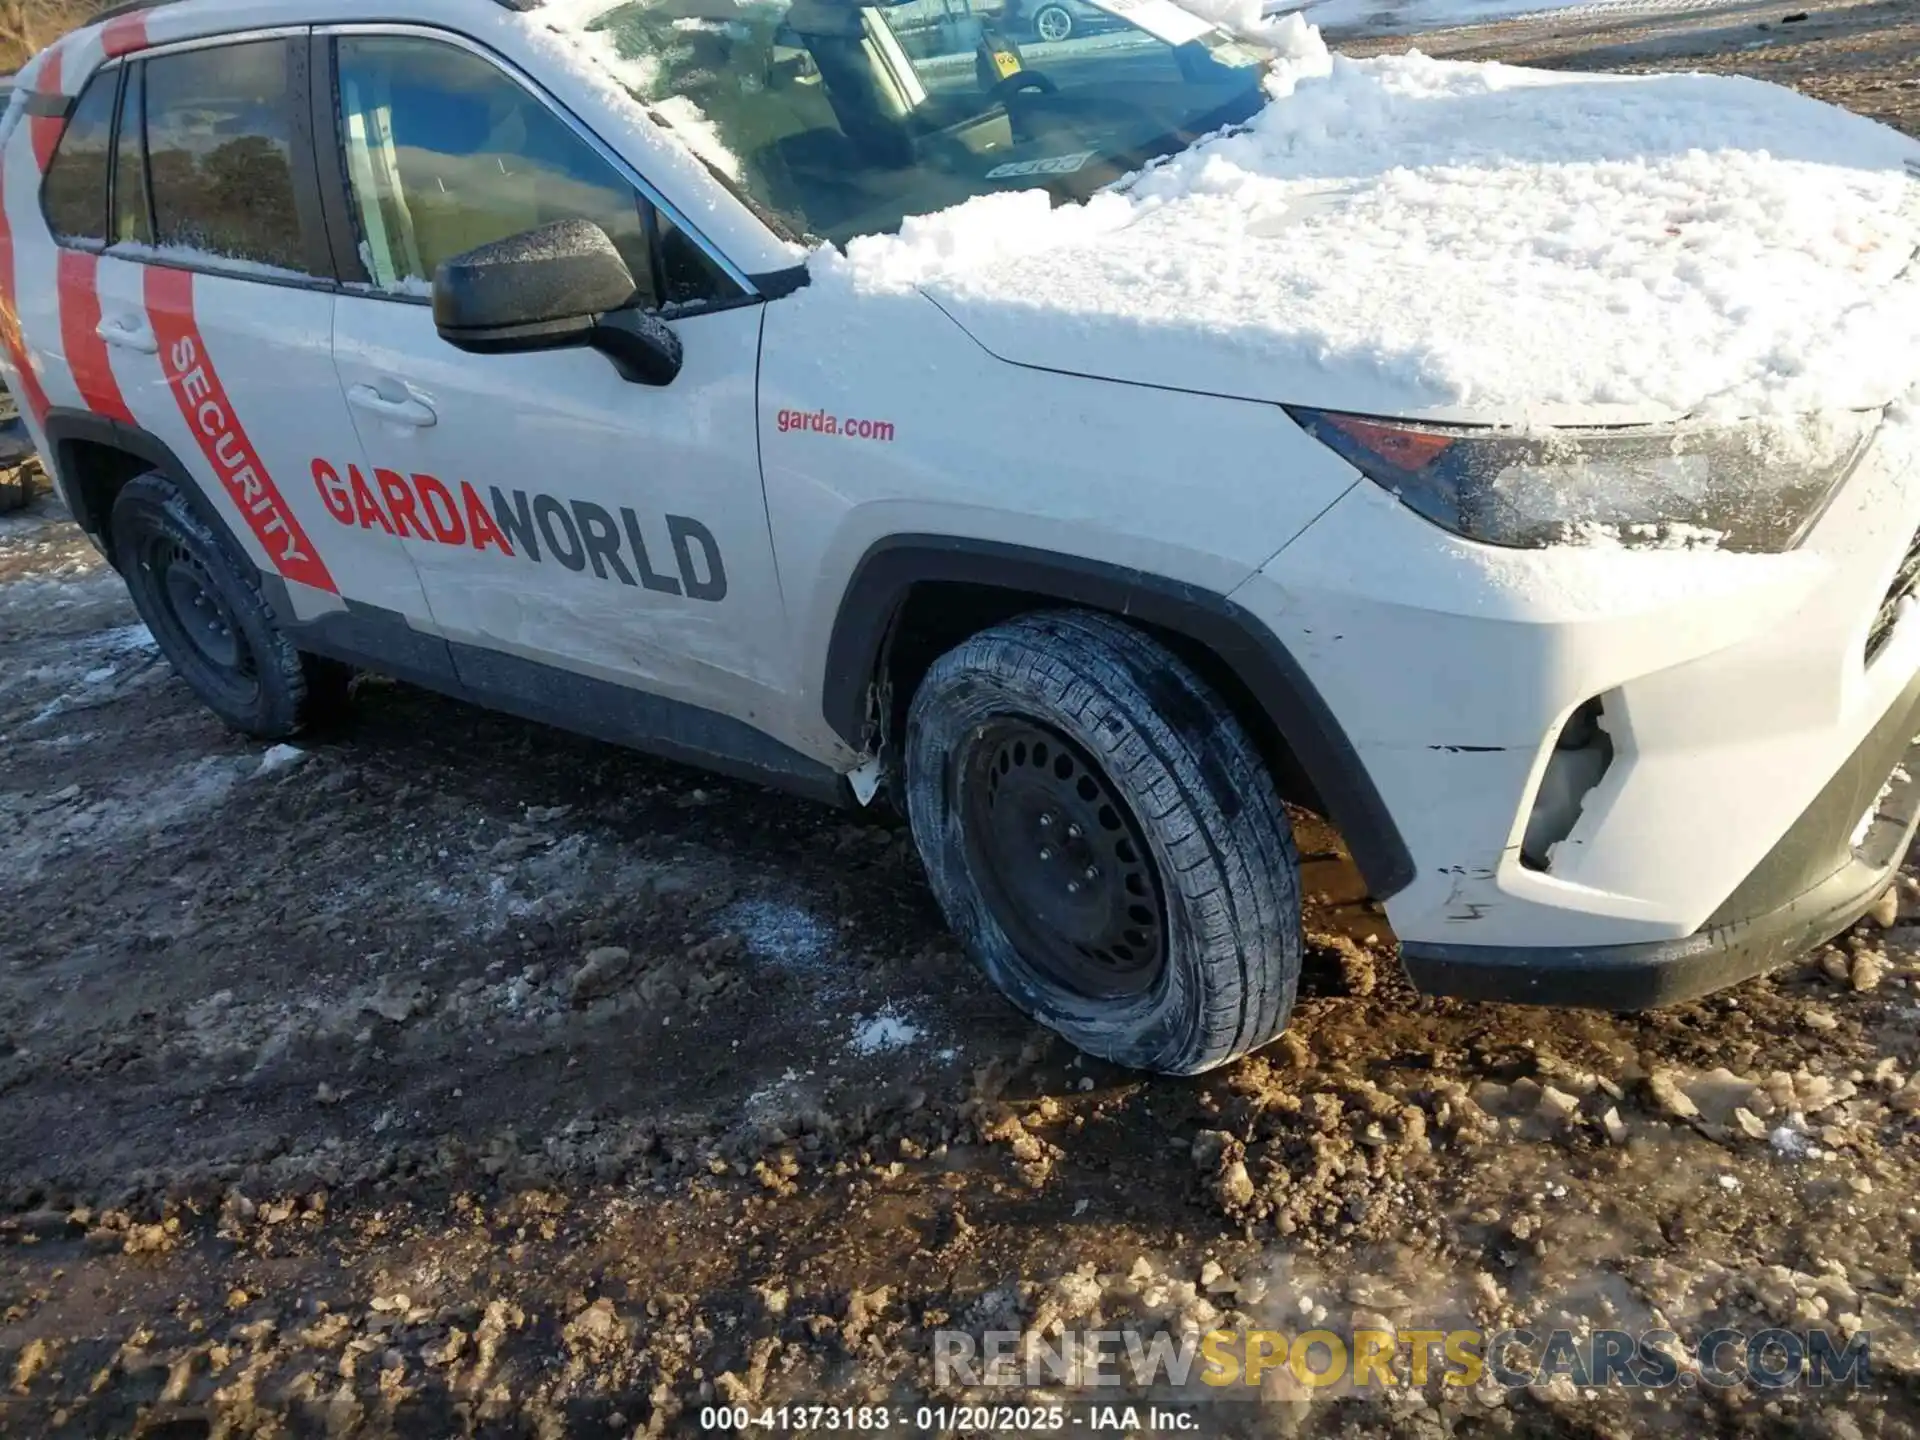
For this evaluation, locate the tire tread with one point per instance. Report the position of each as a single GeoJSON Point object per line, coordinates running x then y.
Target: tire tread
{"type": "Point", "coordinates": [1200, 788]}
{"type": "Point", "coordinates": [292, 687]}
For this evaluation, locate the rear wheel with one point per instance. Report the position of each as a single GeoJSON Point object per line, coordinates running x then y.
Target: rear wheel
{"type": "Point", "coordinates": [208, 617]}
{"type": "Point", "coordinates": [1105, 840]}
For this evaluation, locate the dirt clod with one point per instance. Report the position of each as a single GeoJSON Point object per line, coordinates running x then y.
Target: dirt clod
{"type": "Point", "coordinates": [1869, 968]}
{"type": "Point", "coordinates": [603, 969]}
{"type": "Point", "coordinates": [1669, 1098]}
{"type": "Point", "coordinates": [1886, 910]}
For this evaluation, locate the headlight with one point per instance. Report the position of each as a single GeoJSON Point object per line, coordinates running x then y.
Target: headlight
{"type": "Point", "coordinates": [1754, 485]}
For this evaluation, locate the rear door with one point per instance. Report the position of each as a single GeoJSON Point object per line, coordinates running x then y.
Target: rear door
{"type": "Point", "coordinates": [210, 314]}
{"type": "Point", "coordinates": [559, 515]}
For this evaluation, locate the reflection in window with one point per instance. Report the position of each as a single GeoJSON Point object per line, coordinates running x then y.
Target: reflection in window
{"type": "Point", "coordinates": [75, 190]}
{"type": "Point", "coordinates": [445, 152]}
{"type": "Point", "coordinates": [838, 119]}
{"type": "Point", "coordinates": [218, 133]}
{"type": "Point", "coordinates": [130, 218]}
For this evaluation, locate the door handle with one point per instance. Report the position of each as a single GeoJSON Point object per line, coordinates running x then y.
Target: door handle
{"type": "Point", "coordinates": [128, 335]}
{"type": "Point", "coordinates": [416, 413]}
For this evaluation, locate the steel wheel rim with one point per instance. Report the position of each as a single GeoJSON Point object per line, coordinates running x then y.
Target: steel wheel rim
{"type": "Point", "coordinates": [1061, 861]}
{"type": "Point", "coordinates": [201, 622]}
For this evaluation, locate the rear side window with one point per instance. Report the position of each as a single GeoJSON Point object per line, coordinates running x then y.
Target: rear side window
{"type": "Point", "coordinates": [131, 217]}
{"type": "Point", "coordinates": [75, 190]}
{"type": "Point", "coordinates": [219, 147]}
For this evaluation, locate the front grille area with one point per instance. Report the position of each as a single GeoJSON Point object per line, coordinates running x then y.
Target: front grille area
{"type": "Point", "coordinates": [1904, 582]}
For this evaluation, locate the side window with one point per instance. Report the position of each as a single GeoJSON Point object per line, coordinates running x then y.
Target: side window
{"type": "Point", "coordinates": [446, 152]}
{"type": "Point", "coordinates": [219, 143]}
{"type": "Point", "coordinates": [687, 275]}
{"type": "Point", "coordinates": [132, 209]}
{"type": "Point", "coordinates": [75, 190]}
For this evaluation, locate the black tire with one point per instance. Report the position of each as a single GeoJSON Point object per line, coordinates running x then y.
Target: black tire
{"type": "Point", "coordinates": [1185, 809]}
{"type": "Point", "coordinates": [206, 612]}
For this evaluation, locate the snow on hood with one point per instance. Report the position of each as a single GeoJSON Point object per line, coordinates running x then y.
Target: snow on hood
{"type": "Point", "coordinates": [1413, 236]}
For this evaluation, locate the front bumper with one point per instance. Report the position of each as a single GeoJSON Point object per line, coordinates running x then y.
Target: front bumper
{"type": "Point", "coordinates": [1742, 696]}
{"type": "Point", "coordinates": [1812, 885]}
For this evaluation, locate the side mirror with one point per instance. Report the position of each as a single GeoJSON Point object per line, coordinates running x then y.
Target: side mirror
{"type": "Point", "coordinates": [558, 286]}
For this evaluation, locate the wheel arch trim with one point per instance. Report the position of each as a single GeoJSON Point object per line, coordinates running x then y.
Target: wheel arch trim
{"type": "Point", "coordinates": [891, 567]}
{"type": "Point", "coordinates": [65, 427]}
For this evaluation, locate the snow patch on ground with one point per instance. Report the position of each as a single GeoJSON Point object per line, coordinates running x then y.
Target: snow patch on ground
{"type": "Point", "coordinates": [550, 879]}
{"type": "Point", "coordinates": [280, 757]}
{"type": "Point", "coordinates": [120, 641]}
{"type": "Point", "coordinates": [489, 903]}
{"type": "Point", "coordinates": [1438, 236]}
{"type": "Point", "coordinates": [1790, 1141]}
{"type": "Point", "coordinates": [778, 1097]}
{"type": "Point", "coordinates": [47, 828]}
{"type": "Point", "coordinates": [787, 934]}
{"type": "Point", "coordinates": [87, 671]}
{"type": "Point", "coordinates": [73, 584]}
{"type": "Point", "coordinates": [886, 1030]}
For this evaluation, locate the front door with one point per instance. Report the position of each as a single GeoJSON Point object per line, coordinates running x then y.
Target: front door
{"type": "Point", "coordinates": [559, 516]}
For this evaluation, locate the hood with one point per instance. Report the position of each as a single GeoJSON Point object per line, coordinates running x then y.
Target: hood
{"type": "Point", "coordinates": [1471, 242]}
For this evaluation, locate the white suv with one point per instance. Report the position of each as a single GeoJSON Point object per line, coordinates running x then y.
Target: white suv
{"type": "Point", "coordinates": [466, 342]}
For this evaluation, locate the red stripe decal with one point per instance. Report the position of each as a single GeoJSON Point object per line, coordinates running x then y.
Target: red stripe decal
{"type": "Point", "coordinates": [223, 439]}
{"type": "Point", "coordinates": [45, 129]}
{"type": "Point", "coordinates": [124, 33]}
{"type": "Point", "coordinates": [31, 390]}
{"type": "Point", "coordinates": [80, 336]}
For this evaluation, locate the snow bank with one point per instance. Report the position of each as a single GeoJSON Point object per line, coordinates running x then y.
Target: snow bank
{"type": "Point", "coordinates": [1432, 236]}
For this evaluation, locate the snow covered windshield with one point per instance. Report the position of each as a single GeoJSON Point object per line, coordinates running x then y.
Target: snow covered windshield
{"type": "Point", "coordinates": [837, 119]}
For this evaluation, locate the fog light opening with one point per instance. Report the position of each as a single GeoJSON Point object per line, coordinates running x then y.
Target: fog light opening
{"type": "Point", "coordinates": [1580, 758]}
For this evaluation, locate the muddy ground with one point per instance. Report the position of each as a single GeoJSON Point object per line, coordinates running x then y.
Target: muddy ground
{"type": "Point", "coordinates": [1863, 54]}
{"type": "Point", "coordinates": [449, 1075]}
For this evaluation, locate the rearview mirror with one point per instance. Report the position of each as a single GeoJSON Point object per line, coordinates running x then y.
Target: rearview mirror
{"type": "Point", "coordinates": [557, 286]}
{"type": "Point", "coordinates": [788, 66]}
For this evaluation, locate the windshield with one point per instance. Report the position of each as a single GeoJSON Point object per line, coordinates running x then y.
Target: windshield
{"type": "Point", "coordinates": [837, 119]}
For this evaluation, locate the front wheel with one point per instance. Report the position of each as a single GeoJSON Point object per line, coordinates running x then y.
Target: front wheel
{"type": "Point", "coordinates": [1105, 840]}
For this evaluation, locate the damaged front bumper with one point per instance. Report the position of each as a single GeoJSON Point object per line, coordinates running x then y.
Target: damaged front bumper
{"type": "Point", "coordinates": [1623, 777]}
{"type": "Point", "coordinates": [1812, 885]}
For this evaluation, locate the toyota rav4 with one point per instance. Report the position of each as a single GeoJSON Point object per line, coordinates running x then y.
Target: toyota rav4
{"type": "Point", "coordinates": [1093, 446]}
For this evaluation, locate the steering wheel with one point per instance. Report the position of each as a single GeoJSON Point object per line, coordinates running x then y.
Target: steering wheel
{"type": "Point", "coordinates": [1017, 83]}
